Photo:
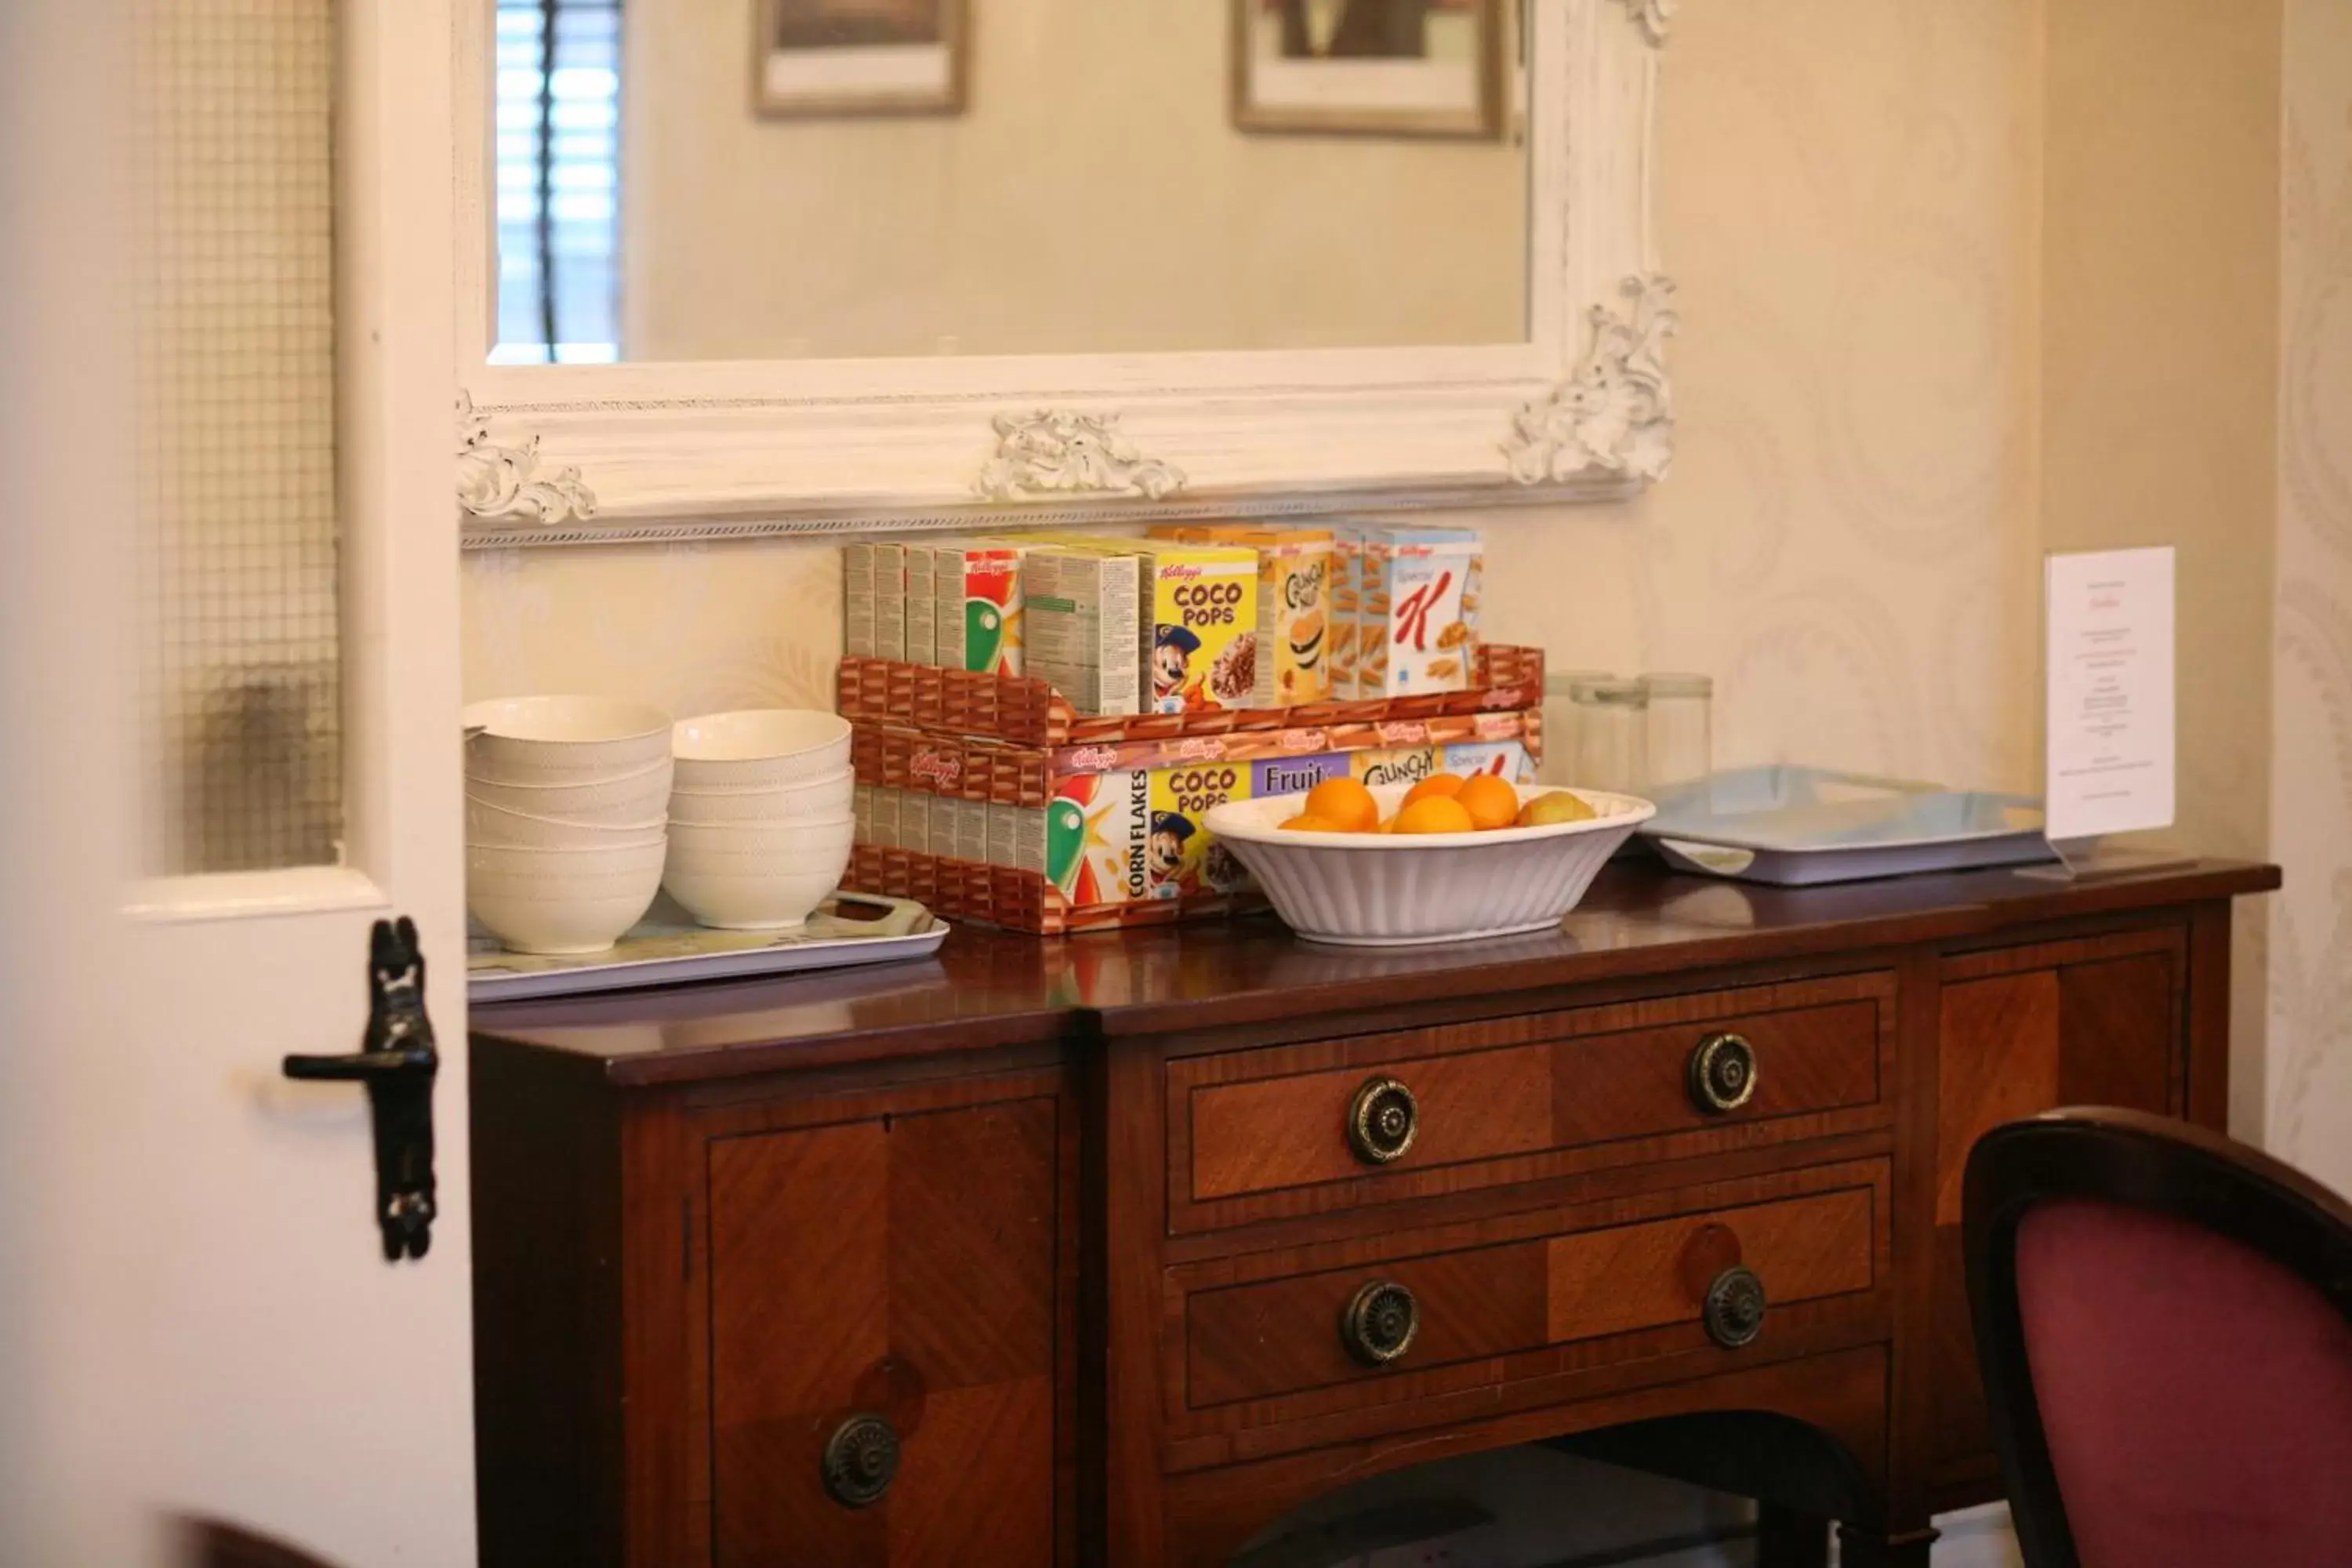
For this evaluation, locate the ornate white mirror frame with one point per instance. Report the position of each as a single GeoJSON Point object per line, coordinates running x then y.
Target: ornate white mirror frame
{"type": "Point", "coordinates": [1582, 411]}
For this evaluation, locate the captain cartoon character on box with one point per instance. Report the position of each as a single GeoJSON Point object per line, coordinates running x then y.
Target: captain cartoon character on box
{"type": "Point", "coordinates": [1172, 648]}
{"type": "Point", "coordinates": [1185, 859]}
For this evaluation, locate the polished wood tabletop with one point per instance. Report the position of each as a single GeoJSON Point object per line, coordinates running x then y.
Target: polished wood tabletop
{"type": "Point", "coordinates": [987, 989]}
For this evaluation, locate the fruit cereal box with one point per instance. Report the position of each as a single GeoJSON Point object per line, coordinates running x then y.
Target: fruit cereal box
{"type": "Point", "coordinates": [1413, 633]}
{"type": "Point", "coordinates": [1295, 776]}
{"type": "Point", "coordinates": [1183, 858]}
{"type": "Point", "coordinates": [976, 599]}
{"type": "Point", "coordinates": [1096, 849]}
{"type": "Point", "coordinates": [1203, 631]}
{"type": "Point", "coordinates": [1392, 765]}
{"type": "Point", "coordinates": [1294, 615]}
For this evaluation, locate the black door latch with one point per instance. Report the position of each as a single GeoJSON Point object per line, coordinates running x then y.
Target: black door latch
{"type": "Point", "coordinates": [397, 1062]}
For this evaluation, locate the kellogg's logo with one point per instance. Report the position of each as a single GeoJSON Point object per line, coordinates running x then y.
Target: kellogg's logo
{"type": "Point", "coordinates": [942, 768]}
{"type": "Point", "coordinates": [1198, 748]}
{"type": "Point", "coordinates": [1404, 732]}
{"type": "Point", "coordinates": [1095, 759]}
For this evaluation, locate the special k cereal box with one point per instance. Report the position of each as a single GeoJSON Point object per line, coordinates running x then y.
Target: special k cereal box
{"type": "Point", "coordinates": [1096, 849]}
{"type": "Point", "coordinates": [1392, 765]}
{"type": "Point", "coordinates": [1201, 634]}
{"type": "Point", "coordinates": [1183, 858]}
{"type": "Point", "coordinates": [1294, 613]}
{"type": "Point", "coordinates": [1295, 776]}
{"type": "Point", "coordinates": [1414, 634]}
{"type": "Point", "coordinates": [976, 598]}
{"type": "Point", "coordinates": [1507, 759]}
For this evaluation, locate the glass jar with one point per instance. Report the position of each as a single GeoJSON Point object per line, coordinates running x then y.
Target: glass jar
{"type": "Point", "coordinates": [1560, 727]}
{"type": "Point", "coordinates": [1679, 738]}
{"type": "Point", "coordinates": [1609, 721]}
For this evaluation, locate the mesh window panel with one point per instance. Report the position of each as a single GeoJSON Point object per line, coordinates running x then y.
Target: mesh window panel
{"type": "Point", "coordinates": [240, 691]}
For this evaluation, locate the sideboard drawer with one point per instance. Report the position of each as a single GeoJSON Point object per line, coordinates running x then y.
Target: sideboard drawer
{"type": "Point", "coordinates": [1732, 1270]}
{"type": "Point", "coordinates": [1281, 1130]}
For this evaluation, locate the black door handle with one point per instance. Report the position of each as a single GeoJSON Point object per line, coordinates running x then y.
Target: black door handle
{"type": "Point", "coordinates": [397, 1062]}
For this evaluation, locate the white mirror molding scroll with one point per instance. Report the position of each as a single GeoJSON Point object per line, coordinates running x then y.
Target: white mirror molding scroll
{"type": "Point", "coordinates": [1582, 411]}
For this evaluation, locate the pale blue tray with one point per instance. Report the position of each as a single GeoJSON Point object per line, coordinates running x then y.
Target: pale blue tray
{"type": "Point", "coordinates": [1794, 826]}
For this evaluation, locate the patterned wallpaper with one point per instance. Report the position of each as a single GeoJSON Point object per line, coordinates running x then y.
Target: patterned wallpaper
{"type": "Point", "coordinates": [2310, 1057]}
{"type": "Point", "coordinates": [1850, 204]}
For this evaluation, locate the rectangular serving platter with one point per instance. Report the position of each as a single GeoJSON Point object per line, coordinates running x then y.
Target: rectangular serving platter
{"type": "Point", "coordinates": [1796, 826]}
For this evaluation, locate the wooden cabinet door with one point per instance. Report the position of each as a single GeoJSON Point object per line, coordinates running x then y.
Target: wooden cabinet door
{"type": "Point", "coordinates": [2100, 1021]}
{"type": "Point", "coordinates": [902, 1267]}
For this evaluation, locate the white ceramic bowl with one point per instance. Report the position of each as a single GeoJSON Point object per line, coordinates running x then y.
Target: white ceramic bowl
{"type": "Point", "coordinates": [760, 748]}
{"type": "Point", "coordinates": [799, 841]}
{"type": "Point", "coordinates": [1387, 889]}
{"type": "Point", "coordinates": [563, 740]}
{"type": "Point", "coordinates": [824, 798]}
{"type": "Point", "coordinates": [494, 826]}
{"type": "Point", "coordinates": [761, 888]}
{"type": "Point", "coordinates": [562, 900]}
{"type": "Point", "coordinates": [612, 801]}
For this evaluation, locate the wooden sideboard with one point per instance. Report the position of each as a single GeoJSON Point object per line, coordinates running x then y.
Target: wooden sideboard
{"type": "Point", "coordinates": [1117, 1248]}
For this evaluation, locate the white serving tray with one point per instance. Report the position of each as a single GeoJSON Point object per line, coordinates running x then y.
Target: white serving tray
{"type": "Point", "coordinates": [1794, 826]}
{"type": "Point", "coordinates": [667, 948]}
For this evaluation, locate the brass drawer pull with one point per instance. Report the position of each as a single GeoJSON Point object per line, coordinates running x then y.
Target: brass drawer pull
{"type": "Point", "coordinates": [1735, 1307]}
{"type": "Point", "coordinates": [861, 1460]}
{"type": "Point", "coordinates": [1383, 1120]}
{"type": "Point", "coordinates": [1380, 1322]}
{"type": "Point", "coordinates": [1722, 1074]}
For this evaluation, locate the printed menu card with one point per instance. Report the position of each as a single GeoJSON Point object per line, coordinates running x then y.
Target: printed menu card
{"type": "Point", "coordinates": [2108, 651]}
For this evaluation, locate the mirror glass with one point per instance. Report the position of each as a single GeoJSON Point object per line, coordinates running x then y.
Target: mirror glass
{"type": "Point", "coordinates": [788, 179]}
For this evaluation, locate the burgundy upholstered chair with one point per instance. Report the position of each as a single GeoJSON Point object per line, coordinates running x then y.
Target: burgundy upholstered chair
{"type": "Point", "coordinates": [2164, 1322]}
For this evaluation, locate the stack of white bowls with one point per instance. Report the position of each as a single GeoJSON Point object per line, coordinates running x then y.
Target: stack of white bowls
{"type": "Point", "coordinates": [565, 819]}
{"type": "Point", "coordinates": [760, 828]}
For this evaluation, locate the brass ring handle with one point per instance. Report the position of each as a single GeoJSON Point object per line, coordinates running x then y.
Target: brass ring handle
{"type": "Point", "coordinates": [1383, 1120]}
{"type": "Point", "coordinates": [861, 1460]}
{"type": "Point", "coordinates": [1735, 1307]}
{"type": "Point", "coordinates": [1722, 1074]}
{"type": "Point", "coordinates": [1380, 1322]}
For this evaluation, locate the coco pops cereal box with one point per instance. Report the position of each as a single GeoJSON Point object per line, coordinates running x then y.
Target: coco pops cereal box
{"type": "Point", "coordinates": [1202, 630]}
{"type": "Point", "coordinates": [1183, 858]}
{"type": "Point", "coordinates": [1096, 850]}
{"type": "Point", "coordinates": [1295, 621]}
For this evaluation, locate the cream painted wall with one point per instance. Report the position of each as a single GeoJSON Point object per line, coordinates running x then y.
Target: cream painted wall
{"type": "Point", "coordinates": [2310, 1087]}
{"type": "Point", "coordinates": [1115, 209]}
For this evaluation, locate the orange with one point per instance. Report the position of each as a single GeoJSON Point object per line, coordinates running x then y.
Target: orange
{"type": "Point", "coordinates": [1490, 802]}
{"type": "Point", "coordinates": [1435, 783]}
{"type": "Point", "coordinates": [1308, 822]}
{"type": "Point", "coordinates": [1438, 813]}
{"type": "Point", "coordinates": [1345, 802]}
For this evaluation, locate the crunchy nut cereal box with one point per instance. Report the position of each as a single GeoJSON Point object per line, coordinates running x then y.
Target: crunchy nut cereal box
{"type": "Point", "coordinates": [1096, 849]}
{"type": "Point", "coordinates": [1183, 858]}
{"type": "Point", "coordinates": [1392, 765]}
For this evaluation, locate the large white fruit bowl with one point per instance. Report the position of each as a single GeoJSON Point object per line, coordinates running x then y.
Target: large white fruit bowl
{"type": "Point", "coordinates": [1396, 890]}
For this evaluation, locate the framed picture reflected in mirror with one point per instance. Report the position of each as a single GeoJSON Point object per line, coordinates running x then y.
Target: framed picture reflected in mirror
{"type": "Point", "coordinates": [818, 58]}
{"type": "Point", "coordinates": [1370, 68]}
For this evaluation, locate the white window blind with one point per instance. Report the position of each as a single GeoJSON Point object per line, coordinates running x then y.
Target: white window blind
{"type": "Point", "coordinates": [559, 182]}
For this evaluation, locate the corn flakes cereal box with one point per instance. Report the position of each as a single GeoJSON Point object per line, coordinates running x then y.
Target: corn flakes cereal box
{"type": "Point", "coordinates": [1295, 776]}
{"type": "Point", "coordinates": [1392, 765]}
{"type": "Point", "coordinates": [1414, 634]}
{"type": "Point", "coordinates": [922, 612]}
{"type": "Point", "coordinates": [1182, 856]}
{"type": "Point", "coordinates": [976, 600]}
{"type": "Point", "coordinates": [1507, 759]}
{"type": "Point", "coordinates": [1294, 613]}
{"type": "Point", "coordinates": [1200, 644]}
{"type": "Point", "coordinates": [1083, 608]}
{"type": "Point", "coordinates": [1097, 843]}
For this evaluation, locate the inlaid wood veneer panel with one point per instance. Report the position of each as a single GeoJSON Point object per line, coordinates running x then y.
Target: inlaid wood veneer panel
{"type": "Point", "coordinates": [1251, 1341]}
{"type": "Point", "coordinates": [1998, 1060]}
{"type": "Point", "coordinates": [1268, 1133]}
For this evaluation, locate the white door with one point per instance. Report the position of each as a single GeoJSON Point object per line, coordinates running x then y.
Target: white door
{"type": "Point", "coordinates": [228, 689]}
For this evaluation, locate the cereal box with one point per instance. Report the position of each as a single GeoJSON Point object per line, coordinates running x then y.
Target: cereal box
{"type": "Point", "coordinates": [922, 612]}
{"type": "Point", "coordinates": [1096, 850]}
{"type": "Point", "coordinates": [976, 596]}
{"type": "Point", "coordinates": [890, 601]}
{"type": "Point", "coordinates": [857, 601]}
{"type": "Point", "coordinates": [1295, 776]}
{"type": "Point", "coordinates": [884, 822]}
{"type": "Point", "coordinates": [1507, 759]}
{"type": "Point", "coordinates": [1393, 764]}
{"type": "Point", "coordinates": [1413, 632]}
{"type": "Point", "coordinates": [1016, 836]}
{"type": "Point", "coordinates": [1294, 620]}
{"type": "Point", "coordinates": [1081, 607]}
{"type": "Point", "coordinates": [1200, 642]}
{"type": "Point", "coordinates": [971, 832]}
{"type": "Point", "coordinates": [1183, 858]}
{"type": "Point", "coordinates": [1343, 591]}
{"type": "Point", "coordinates": [915, 820]}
